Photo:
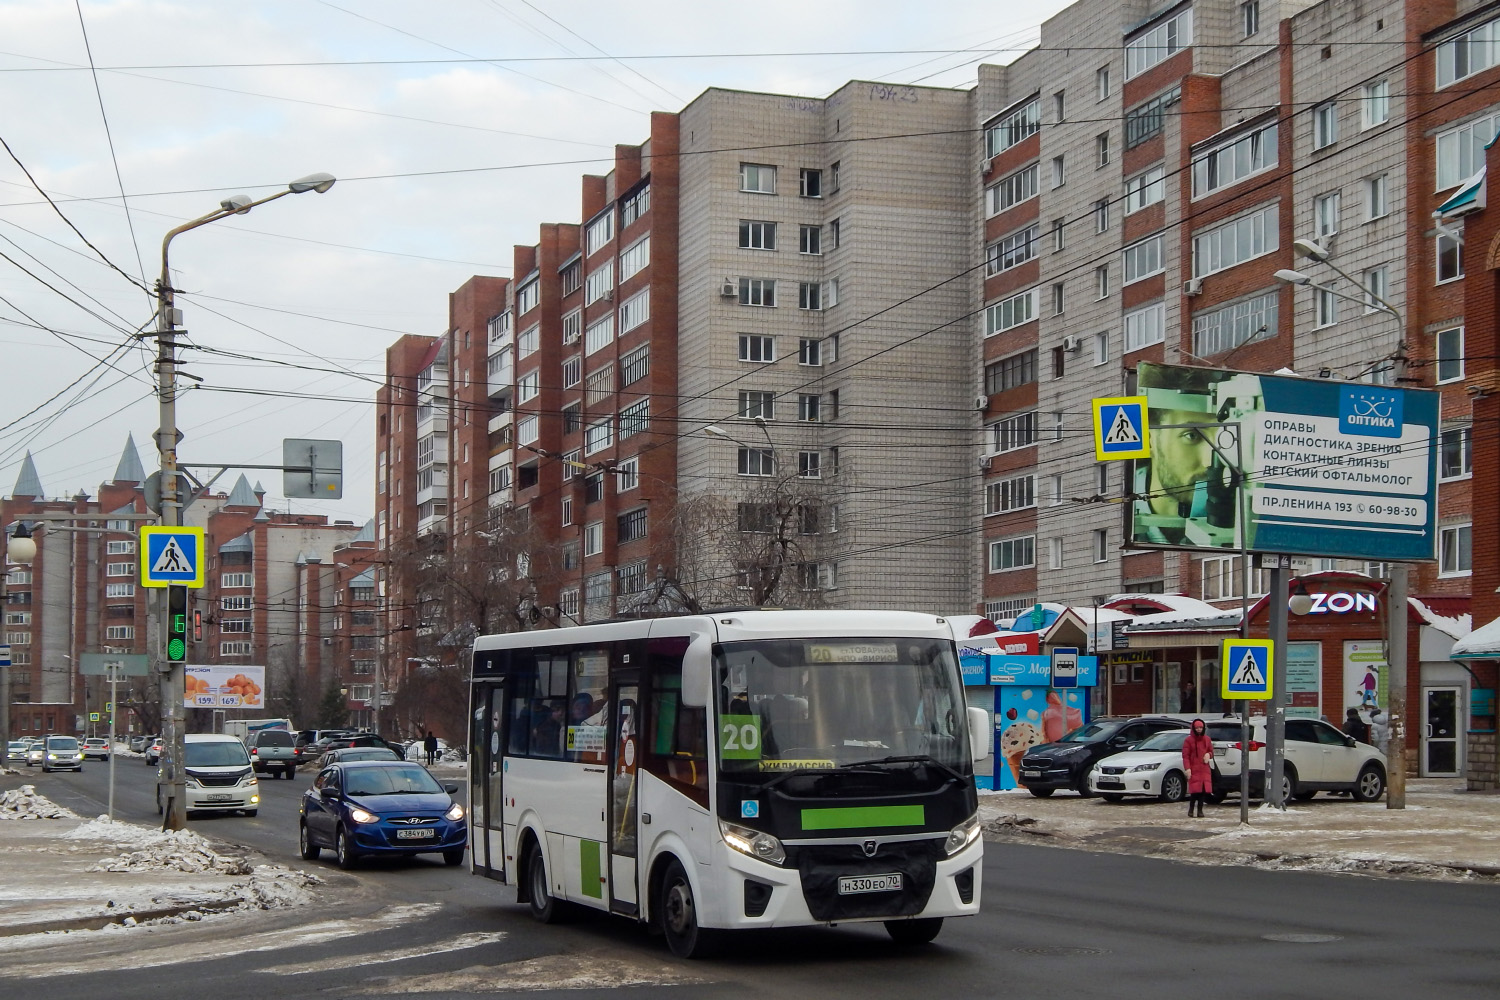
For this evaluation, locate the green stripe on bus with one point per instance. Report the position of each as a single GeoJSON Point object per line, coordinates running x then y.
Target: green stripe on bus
{"type": "Point", "coordinates": [589, 870]}
{"type": "Point", "coordinates": [851, 817]}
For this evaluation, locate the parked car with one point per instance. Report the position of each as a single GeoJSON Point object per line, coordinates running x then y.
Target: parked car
{"type": "Point", "coordinates": [96, 747]}
{"type": "Point", "coordinates": [1319, 758]}
{"type": "Point", "coordinates": [36, 752]}
{"type": "Point", "coordinates": [16, 750]}
{"type": "Point", "coordinates": [62, 753]}
{"type": "Point", "coordinates": [356, 753]}
{"type": "Point", "coordinates": [140, 742]}
{"type": "Point", "coordinates": [1152, 767]}
{"type": "Point", "coordinates": [380, 807]}
{"type": "Point", "coordinates": [153, 751]}
{"type": "Point", "coordinates": [219, 775]}
{"type": "Point", "coordinates": [1067, 763]}
{"type": "Point", "coordinates": [273, 749]}
{"type": "Point", "coordinates": [364, 740]}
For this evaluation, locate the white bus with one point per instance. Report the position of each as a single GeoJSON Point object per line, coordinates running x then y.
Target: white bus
{"type": "Point", "coordinates": [738, 769]}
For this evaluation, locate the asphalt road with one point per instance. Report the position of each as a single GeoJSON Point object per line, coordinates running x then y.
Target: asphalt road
{"type": "Point", "coordinates": [1055, 923]}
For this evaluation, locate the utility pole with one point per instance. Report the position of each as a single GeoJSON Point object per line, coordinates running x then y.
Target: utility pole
{"type": "Point", "coordinates": [171, 674]}
{"type": "Point", "coordinates": [1276, 718]}
{"type": "Point", "coordinates": [1395, 709]}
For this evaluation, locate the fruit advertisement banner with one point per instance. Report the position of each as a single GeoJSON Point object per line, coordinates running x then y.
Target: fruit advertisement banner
{"type": "Point", "coordinates": [224, 687]}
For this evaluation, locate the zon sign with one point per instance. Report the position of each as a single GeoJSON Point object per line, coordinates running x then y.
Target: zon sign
{"type": "Point", "coordinates": [1341, 603]}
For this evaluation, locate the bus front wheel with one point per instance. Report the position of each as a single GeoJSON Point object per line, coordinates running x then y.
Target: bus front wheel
{"type": "Point", "coordinates": [679, 916]}
{"type": "Point", "coordinates": [544, 908]}
{"type": "Point", "coordinates": [914, 932]}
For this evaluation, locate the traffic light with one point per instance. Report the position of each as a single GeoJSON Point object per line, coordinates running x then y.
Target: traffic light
{"type": "Point", "coordinates": [197, 624]}
{"type": "Point", "coordinates": [177, 624]}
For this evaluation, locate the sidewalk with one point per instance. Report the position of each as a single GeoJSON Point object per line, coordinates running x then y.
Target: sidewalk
{"type": "Point", "coordinates": [65, 873]}
{"type": "Point", "coordinates": [1444, 832]}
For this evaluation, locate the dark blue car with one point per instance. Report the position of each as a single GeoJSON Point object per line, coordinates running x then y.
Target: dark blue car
{"type": "Point", "coordinates": [380, 807]}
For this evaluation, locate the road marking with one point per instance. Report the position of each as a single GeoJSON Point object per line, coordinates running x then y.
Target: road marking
{"type": "Point", "coordinates": [352, 961]}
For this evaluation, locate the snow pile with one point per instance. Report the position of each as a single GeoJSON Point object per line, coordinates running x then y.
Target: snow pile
{"type": "Point", "coordinates": [116, 832]}
{"type": "Point", "coordinates": [275, 887]}
{"type": "Point", "coordinates": [26, 803]}
{"type": "Point", "coordinates": [177, 851]}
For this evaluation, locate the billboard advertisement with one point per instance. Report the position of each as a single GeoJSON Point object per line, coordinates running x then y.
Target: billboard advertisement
{"type": "Point", "coordinates": [1329, 468]}
{"type": "Point", "coordinates": [224, 687]}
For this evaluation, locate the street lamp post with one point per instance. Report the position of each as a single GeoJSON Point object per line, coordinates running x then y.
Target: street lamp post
{"type": "Point", "coordinates": [21, 550]}
{"type": "Point", "coordinates": [167, 319]}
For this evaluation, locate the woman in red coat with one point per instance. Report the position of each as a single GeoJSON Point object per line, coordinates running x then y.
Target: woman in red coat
{"type": "Point", "coordinates": [1197, 760]}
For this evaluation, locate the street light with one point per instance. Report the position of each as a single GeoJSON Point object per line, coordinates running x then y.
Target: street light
{"type": "Point", "coordinates": [21, 550]}
{"type": "Point", "coordinates": [167, 319]}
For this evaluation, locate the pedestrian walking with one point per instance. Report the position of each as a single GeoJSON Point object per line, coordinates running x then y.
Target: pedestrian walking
{"type": "Point", "coordinates": [1198, 761]}
{"type": "Point", "coordinates": [1380, 729]}
{"type": "Point", "coordinates": [1356, 727]}
{"type": "Point", "coordinates": [430, 745]}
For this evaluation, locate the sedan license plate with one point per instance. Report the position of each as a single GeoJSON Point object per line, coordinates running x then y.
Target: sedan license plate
{"type": "Point", "coordinates": [415, 834]}
{"type": "Point", "coordinates": [218, 797]}
{"type": "Point", "coordinates": [1109, 783]}
{"type": "Point", "coordinates": [1031, 774]}
{"type": "Point", "coordinates": [851, 884]}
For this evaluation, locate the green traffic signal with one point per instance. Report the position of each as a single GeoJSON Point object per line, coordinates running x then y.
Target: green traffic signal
{"type": "Point", "coordinates": [177, 618]}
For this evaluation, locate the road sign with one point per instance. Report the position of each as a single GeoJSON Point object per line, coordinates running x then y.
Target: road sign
{"type": "Point", "coordinates": [1247, 665]}
{"type": "Point", "coordinates": [1064, 666]}
{"type": "Point", "coordinates": [171, 556]}
{"type": "Point", "coordinates": [4, 656]}
{"type": "Point", "coordinates": [152, 490]}
{"type": "Point", "coordinates": [1120, 428]}
{"type": "Point", "coordinates": [312, 468]}
{"type": "Point", "coordinates": [109, 706]}
{"type": "Point", "coordinates": [123, 664]}
{"type": "Point", "coordinates": [93, 716]}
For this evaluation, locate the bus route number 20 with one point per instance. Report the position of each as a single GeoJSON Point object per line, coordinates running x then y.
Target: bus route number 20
{"type": "Point", "coordinates": [739, 737]}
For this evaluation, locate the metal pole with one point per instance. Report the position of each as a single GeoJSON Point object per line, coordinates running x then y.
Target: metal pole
{"type": "Point", "coordinates": [1240, 491]}
{"type": "Point", "coordinates": [375, 711]}
{"type": "Point", "coordinates": [1276, 721]}
{"type": "Point", "coordinates": [1395, 709]}
{"type": "Point", "coordinates": [5, 664]}
{"type": "Point", "coordinates": [174, 814]}
{"type": "Point", "coordinates": [114, 703]}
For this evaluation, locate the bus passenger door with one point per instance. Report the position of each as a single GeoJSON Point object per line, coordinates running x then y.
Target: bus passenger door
{"type": "Point", "coordinates": [625, 753]}
{"type": "Point", "coordinates": [486, 767]}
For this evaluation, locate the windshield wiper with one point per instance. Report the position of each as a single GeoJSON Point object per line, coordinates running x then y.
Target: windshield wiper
{"type": "Point", "coordinates": [917, 758]}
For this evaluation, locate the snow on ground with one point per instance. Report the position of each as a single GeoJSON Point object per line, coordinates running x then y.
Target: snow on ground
{"type": "Point", "coordinates": [27, 803]}
{"type": "Point", "coordinates": [177, 851]}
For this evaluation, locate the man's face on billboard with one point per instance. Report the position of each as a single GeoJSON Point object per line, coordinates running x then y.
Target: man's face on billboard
{"type": "Point", "coordinates": [1180, 456]}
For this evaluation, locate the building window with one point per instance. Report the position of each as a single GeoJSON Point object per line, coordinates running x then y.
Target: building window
{"type": "Point", "coordinates": [1101, 281]}
{"type": "Point", "coordinates": [527, 387]}
{"type": "Point", "coordinates": [635, 366]}
{"type": "Point", "coordinates": [1224, 329]}
{"type": "Point", "coordinates": [627, 474]}
{"type": "Point", "coordinates": [810, 183]}
{"type": "Point", "coordinates": [810, 464]}
{"type": "Point", "coordinates": [234, 649]}
{"type": "Point", "coordinates": [761, 350]}
{"type": "Point", "coordinates": [831, 412]}
{"type": "Point", "coordinates": [119, 569]}
{"type": "Point", "coordinates": [500, 479]}
{"type": "Point", "coordinates": [1325, 124]}
{"type": "Point", "coordinates": [598, 436]}
{"type": "Point", "coordinates": [599, 334]}
{"type": "Point", "coordinates": [1249, 17]}
{"type": "Point", "coordinates": [635, 419]}
{"type": "Point", "coordinates": [567, 603]}
{"type": "Point", "coordinates": [833, 177]}
{"type": "Point", "coordinates": [1011, 191]}
{"type": "Point", "coordinates": [758, 292]}
{"type": "Point", "coordinates": [1454, 548]}
{"type": "Point", "coordinates": [1059, 172]}
{"type": "Point", "coordinates": [1009, 373]}
{"type": "Point", "coordinates": [1059, 234]}
{"type": "Point", "coordinates": [1101, 545]}
{"type": "Point", "coordinates": [124, 548]}
{"type": "Point", "coordinates": [1023, 123]}
{"type": "Point", "coordinates": [1376, 206]}
{"type": "Point", "coordinates": [1234, 161]}
{"type": "Point", "coordinates": [235, 625]}
{"type": "Point", "coordinates": [1059, 361]}
{"type": "Point", "coordinates": [632, 577]}
{"type": "Point", "coordinates": [1326, 214]}
{"type": "Point", "coordinates": [1460, 151]}
{"type": "Point", "coordinates": [1017, 431]}
{"type": "Point", "coordinates": [1055, 553]}
{"type": "Point", "coordinates": [572, 371]}
{"type": "Point", "coordinates": [1015, 249]}
{"type": "Point", "coordinates": [1225, 577]}
{"type": "Point", "coordinates": [599, 283]}
{"type": "Point", "coordinates": [1010, 313]}
{"type": "Point", "coordinates": [527, 297]}
{"type": "Point", "coordinates": [1471, 52]}
{"type": "Point", "coordinates": [1146, 120]}
{"type": "Point", "coordinates": [600, 232]}
{"type": "Point", "coordinates": [808, 406]}
{"type": "Point", "coordinates": [528, 341]}
{"type": "Point", "coordinates": [596, 588]}
{"type": "Point", "coordinates": [123, 631]}
{"type": "Point", "coordinates": [810, 240]}
{"type": "Point", "coordinates": [1101, 83]}
{"type": "Point", "coordinates": [809, 295]}
{"type": "Point", "coordinates": [757, 235]}
{"type": "Point", "coordinates": [593, 486]}
{"type": "Point", "coordinates": [757, 178]}
{"type": "Point", "coordinates": [599, 385]}
{"type": "Point", "coordinates": [755, 403]}
{"type": "Point", "coordinates": [567, 510]}
{"type": "Point", "coordinates": [1017, 493]}
{"type": "Point", "coordinates": [635, 206]}
{"type": "Point", "coordinates": [1007, 610]}
{"type": "Point", "coordinates": [635, 310]}
{"type": "Point", "coordinates": [634, 258]}
{"type": "Point", "coordinates": [1101, 215]}
{"type": "Point", "coordinates": [809, 351]}
{"type": "Point", "coordinates": [1060, 105]}
{"type": "Point", "coordinates": [1376, 288]}
{"type": "Point", "coordinates": [1450, 259]}
{"type": "Point", "coordinates": [1101, 348]}
{"type": "Point", "coordinates": [1144, 259]}
{"type": "Point", "coordinates": [1057, 298]}
{"type": "Point", "coordinates": [631, 525]}
{"type": "Point", "coordinates": [118, 589]}
{"type": "Point", "coordinates": [593, 538]}
{"type": "Point", "coordinates": [834, 228]}
{"type": "Point", "coordinates": [1012, 553]}
{"type": "Point", "coordinates": [232, 580]}
{"type": "Point", "coordinates": [1456, 453]}
{"type": "Point", "coordinates": [1450, 354]}
{"type": "Point", "coordinates": [1145, 326]}
{"type": "Point", "coordinates": [1101, 148]}
{"type": "Point", "coordinates": [757, 462]}
{"type": "Point", "coordinates": [1145, 188]}
{"type": "Point", "coordinates": [1246, 238]}
{"type": "Point", "coordinates": [1375, 103]}
{"type": "Point", "coordinates": [1326, 306]}
{"type": "Point", "coordinates": [1159, 43]}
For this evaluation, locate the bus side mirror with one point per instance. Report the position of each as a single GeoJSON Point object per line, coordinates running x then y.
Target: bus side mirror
{"type": "Point", "coordinates": [697, 671]}
{"type": "Point", "coordinates": [979, 733]}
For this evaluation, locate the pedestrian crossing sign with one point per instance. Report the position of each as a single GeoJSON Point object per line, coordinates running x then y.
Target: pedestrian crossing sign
{"type": "Point", "coordinates": [1246, 668]}
{"type": "Point", "coordinates": [1120, 428]}
{"type": "Point", "coordinates": [171, 556]}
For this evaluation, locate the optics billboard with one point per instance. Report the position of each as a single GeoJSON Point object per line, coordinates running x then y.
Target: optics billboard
{"type": "Point", "coordinates": [1328, 468]}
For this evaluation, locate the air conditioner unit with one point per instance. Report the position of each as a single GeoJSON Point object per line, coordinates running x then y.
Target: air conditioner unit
{"type": "Point", "coordinates": [984, 463]}
{"type": "Point", "coordinates": [1193, 286]}
{"type": "Point", "coordinates": [1072, 343]}
{"type": "Point", "coordinates": [729, 289]}
{"type": "Point", "coordinates": [609, 296]}
{"type": "Point", "coordinates": [984, 164]}
{"type": "Point", "coordinates": [981, 403]}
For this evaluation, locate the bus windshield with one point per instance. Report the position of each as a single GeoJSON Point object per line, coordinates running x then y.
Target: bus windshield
{"type": "Point", "coordinates": [819, 704]}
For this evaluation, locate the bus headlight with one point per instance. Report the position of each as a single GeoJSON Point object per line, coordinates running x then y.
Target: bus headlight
{"type": "Point", "coordinates": [962, 835]}
{"type": "Point", "coordinates": [761, 846]}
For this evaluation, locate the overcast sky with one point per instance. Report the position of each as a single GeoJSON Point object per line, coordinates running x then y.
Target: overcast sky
{"type": "Point", "coordinates": [444, 165]}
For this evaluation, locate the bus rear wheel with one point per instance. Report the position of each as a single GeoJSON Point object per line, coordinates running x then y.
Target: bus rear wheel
{"type": "Point", "coordinates": [908, 933]}
{"type": "Point", "coordinates": [678, 912]}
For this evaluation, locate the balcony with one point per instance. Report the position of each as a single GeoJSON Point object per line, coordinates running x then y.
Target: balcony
{"type": "Point", "coordinates": [502, 373]}
{"type": "Point", "coordinates": [501, 420]}
{"type": "Point", "coordinates": [432, 484]}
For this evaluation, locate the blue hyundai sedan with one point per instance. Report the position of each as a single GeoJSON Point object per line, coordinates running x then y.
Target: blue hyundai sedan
{"type": "Point", "coordinates": [380, 807]}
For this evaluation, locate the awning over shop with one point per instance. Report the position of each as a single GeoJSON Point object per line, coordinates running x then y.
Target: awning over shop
{"type": "Point", "coordinates": [1481, 644]}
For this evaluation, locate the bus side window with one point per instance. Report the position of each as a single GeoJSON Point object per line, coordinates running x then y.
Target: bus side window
{"type": "Point", "coordinates": [549, 707]}
{"type": "Point", "coordinates": [677, 744]}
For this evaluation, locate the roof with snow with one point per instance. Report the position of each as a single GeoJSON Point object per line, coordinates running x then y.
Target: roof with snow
{"type": "Point", "coordinates": [244, 543]}
{"type": "Point", "coordinates": [130, 469]}
{"type": "Point", "coordinates": [1455, 626]}
{"type": "Point", "coordinates": [28, 483]}
{"type": "Point", "coordinates": [366, 534]}
{"type": "Point", "coordinates": [365, 580]}
{"type": "Point", "coordinates": [1481, 644]}
{"type": "Point", "coordinates": [242, 495]}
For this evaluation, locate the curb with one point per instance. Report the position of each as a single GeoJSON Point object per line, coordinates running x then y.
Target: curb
{"type": "Point", "coordinates": [100, 921]}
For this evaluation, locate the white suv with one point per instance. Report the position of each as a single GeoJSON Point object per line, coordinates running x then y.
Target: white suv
{"type": "Point", "coordinates": [219, 775]}
{"type": "Point", "coordinates": [1319, 758]}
